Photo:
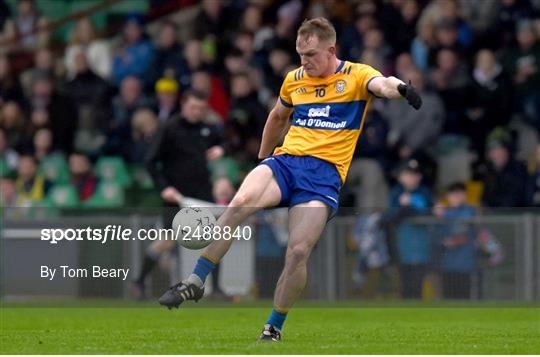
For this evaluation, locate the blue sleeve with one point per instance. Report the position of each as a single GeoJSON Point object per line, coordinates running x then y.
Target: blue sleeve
{"type": "Point", "coordinates": [394, 197]}
{"type": "Point", "coordinates": [144, 56]}
{"type": "Point", "coordinates": [118, 69]}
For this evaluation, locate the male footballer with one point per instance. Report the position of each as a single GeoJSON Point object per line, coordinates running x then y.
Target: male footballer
{"type": "Point", "coordinates": [328, 100]}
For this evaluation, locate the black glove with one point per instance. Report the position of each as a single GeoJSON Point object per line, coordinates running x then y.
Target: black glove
{"type": "Point", "coordinates": [409, 92]}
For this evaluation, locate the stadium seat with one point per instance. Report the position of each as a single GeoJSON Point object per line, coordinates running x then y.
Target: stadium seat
{"type": "Point", "coordinates": [108, 194]}
{"type": "Point", "coordinates": [113, 168]}
{"type": "Point", "coordinates": [140, 176]}
{"type": "Point", "coordinates": [475, 189]}
{"type": "Point", "coordinates": [62, 196]}
{"type": "Point", "coordinates": [5, 170]}
{"type": "Point", "coordinates": [225, 166]}
{"type": "Point", "coordinates": [55, 169]}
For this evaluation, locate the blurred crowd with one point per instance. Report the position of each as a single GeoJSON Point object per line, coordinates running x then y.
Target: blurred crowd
{"type": "Point", "coordinates": [475, 62]}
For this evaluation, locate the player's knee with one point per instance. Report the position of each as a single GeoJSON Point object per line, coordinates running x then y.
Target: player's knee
{"type": "Point", "coordinates": [298, 254]}
{"type": "Point", "coordinates": [241, 199]}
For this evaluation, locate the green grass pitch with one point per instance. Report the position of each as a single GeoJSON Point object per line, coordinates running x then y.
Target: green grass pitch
{"type": "Point", "coordinates": [397, 328]}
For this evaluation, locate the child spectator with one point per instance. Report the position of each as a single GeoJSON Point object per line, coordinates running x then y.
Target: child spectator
{"type": "Point", "coordinates": [408, 199]}
{"type": "Point", "coordinates": [458, 244]}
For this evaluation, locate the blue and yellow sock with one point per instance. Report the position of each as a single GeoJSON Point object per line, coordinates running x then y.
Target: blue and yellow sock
{"type": "Point", "coordinates": [205, 265]}
{"type": "Point", "coordinates": [277, 317]}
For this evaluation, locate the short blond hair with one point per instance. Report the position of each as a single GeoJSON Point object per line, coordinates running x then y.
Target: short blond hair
{"type": "Point", "coordinates": [320, 27]}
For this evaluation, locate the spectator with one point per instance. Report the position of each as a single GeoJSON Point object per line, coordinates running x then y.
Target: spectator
{"type": "Point", "coordinates": [252, 20]}
{"type": "Point", "coordinates": [447, 10]}
{"type": "Point", "coordinates": [372, 58]}
{"type": "Point", "coordinates": [423, 44]}
{"type": "Point", "coordinates": [280, 63]}
{"type": "Point", "coordinates": [407, 199]}
{"type": "Point", "coordinates": [5, 14]}
{"type": "Point", "coordinates": [505, 179]}
{"type": "Point", "coordinates": [30, 187]}
{"type": "Point", "coordinates": [97, 52]}
{"type": "Point", "coordinates": [212, 86]}
{"type": "Point", "coordinates": [193, 55]}
{"type": "Point", "coordinates": [124, 105]}
{"type": "Point", "coordinates": [90, 136]}
{"type": "Point", "coordinates": [243, 41]}
{"type": "Point", "coordinates": [10, 87]}
{"type": "Point", "coordinates": [12, 123]}
{"type": "Point", "coordinates": [373, 256]}
{"type": "Point", "coordinates": [145, 125]}
{"type": "Point", "coordinates": [234, 63]}
{"type": "Point", "coordinates": [457, 243]}
{"type": "Point", "coordinates": [135, 55]}
{"type": "Point", "coordinates": [523, 63]}
{"type": "Point", "coordinates": [479, 14]}
{"type": "Point", "coordinates": [509, 14]}
{"type": "Point", "coordinates": [352, 40]}
{"type": "Point", "coordinates": [39, 119]}
{"type": "Point", "coordinates": [88, 91]}
{"type": "Point", "coordinates": [62, 115]}
{"type": "Point", "coordinates": [212, 21]}
{"type": "Point", "coordinates": [373, 40]}
{"type": "Point", "coordinates": [450, 80]}
{"type": "Point", "coordinates": [81, 175]}
{"type": "Point", "coordinates": [427, 123]}
{"type": "Point", "coordinates": [246, 119]}
{"type": "Point", "coordinates": [488, 100]}
{"type": "Point", "coordinates": [535, 181]}
{"type": "Point", "coordinates": [447, 37]}
{"type": "Point", "coordinates": [223, 190]}
{"type": "Point", "coordinates": [43, 66]}
{"type": "Point", "coordinates": [288, 15]}
{"type": "Point", "coordinates": [403, 30]}
{"type": "Point", "coordinates": [168, 58]}
{"type": "Point", "coordinates": [366, 177]}
{"type": "Point", "coordinates": [7, 194]}
{"type": "Point", "coordinates": [404, 64]}
{"type": "Point", "coordinates": [43, 143]}
{"type": "Point", "coordinates": [8, 156]}
{"type": "Point", "coordinates": [167, 98]}
{"type": "Point", "coordinates": [27, 27]}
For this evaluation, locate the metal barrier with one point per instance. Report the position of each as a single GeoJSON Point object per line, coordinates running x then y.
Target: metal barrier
{"type": "Point", "coordinates": [330, 267]}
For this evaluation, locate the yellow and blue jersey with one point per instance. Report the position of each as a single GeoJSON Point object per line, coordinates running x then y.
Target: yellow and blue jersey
{"type": "Point", "coordinates": [328, 113]}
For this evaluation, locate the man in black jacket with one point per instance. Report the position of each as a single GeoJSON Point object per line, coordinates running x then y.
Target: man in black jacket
{"type": "Point", "coordinates": [177, 162]}
{"type": "Point", "coordinates": [506, 182]}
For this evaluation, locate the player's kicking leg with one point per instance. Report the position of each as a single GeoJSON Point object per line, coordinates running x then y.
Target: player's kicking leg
{"type": "Point", "coordinates": [259, 190]}
{"type": "Point", "coordinates": [306, 223]}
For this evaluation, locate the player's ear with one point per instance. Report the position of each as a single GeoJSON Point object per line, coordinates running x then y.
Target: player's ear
{"type": "Point", "coordinates": [332, 50]}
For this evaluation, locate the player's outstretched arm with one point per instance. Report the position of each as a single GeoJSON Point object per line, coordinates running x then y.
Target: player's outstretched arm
{"type": "Point", "coordinates": [274, 129]}
{"type": "Point", "coordinates": [394, 88]}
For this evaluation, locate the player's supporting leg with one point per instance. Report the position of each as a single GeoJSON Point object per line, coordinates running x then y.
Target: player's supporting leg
{"type": "Point", "coordinates": [259, 190]}
{"type": "Point", "coordinates": [306, 223]}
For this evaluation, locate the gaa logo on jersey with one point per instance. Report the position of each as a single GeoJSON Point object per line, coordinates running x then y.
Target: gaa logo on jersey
{"type": "Point", "coordinates": [340, 85]}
